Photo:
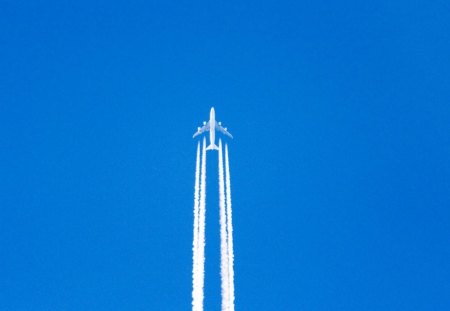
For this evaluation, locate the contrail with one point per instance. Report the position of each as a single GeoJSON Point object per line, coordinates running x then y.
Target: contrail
{"type": "Point", "coordinates": [223, 236]}
{"type": "Point", "coordinates": [195, 242]}
{"type": "Point", "coordinates": [201, 230]}
{"type": "Point", "coordinates": [230, 232]}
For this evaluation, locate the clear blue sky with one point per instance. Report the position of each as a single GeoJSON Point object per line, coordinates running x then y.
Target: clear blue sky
{"type": "Point", "coordinates": [340, 162]}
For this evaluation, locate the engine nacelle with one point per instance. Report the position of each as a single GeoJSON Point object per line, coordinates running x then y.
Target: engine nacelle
{"type": "Point", "coordinates": [204, 122]}
{"type": "Point", "coordinates": [198, 129]}
{"type": "Point", "coordinates": [220, 123]}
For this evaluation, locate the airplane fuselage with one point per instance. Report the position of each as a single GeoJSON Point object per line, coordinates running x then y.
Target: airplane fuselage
{"type": "Point", "coordinates": [212, 127]}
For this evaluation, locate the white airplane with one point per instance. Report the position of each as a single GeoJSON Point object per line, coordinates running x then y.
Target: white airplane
{"type": "Point", "coordinates": [211, 126]}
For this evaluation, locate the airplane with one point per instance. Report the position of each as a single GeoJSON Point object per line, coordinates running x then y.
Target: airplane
{"type": "Point", "coordinates": [211, 126]}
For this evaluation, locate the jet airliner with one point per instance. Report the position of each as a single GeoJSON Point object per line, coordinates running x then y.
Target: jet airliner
{"type": "Point", "coordinates": [211, 126]}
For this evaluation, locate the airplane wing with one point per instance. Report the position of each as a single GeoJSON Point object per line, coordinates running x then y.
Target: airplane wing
{"type": "Point", "coordinates": [223, 130]}
{"type": "Point", "coordinates": [201, 130]}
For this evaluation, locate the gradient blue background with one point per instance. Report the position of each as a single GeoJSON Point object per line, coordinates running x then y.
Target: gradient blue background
{"type": "Point", "coordinates": [340, 162]}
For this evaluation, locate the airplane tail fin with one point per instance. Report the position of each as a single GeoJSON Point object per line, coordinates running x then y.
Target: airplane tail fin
{"type": "Point", "coordinates": [212, 147]}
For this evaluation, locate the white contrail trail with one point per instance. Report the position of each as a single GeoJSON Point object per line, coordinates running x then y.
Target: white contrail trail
{"type": "Point", "coordinates": [223, 236]}
{"type": "Point", "coordinates": [201, 230]}
{"type": "Point", "coordinates": [226, 230]}
{"type": "Point", "coordinates": [230, 232]}
{"type": "Point", "coordinates": [195, 259]}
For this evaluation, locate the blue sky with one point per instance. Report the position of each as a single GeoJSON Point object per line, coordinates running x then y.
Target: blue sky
{"type": "Point", "coordinates": [340, 162]}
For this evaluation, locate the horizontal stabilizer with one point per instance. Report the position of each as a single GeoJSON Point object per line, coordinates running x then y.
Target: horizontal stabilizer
{"type": "Point", "coordinates": [212, 147]}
